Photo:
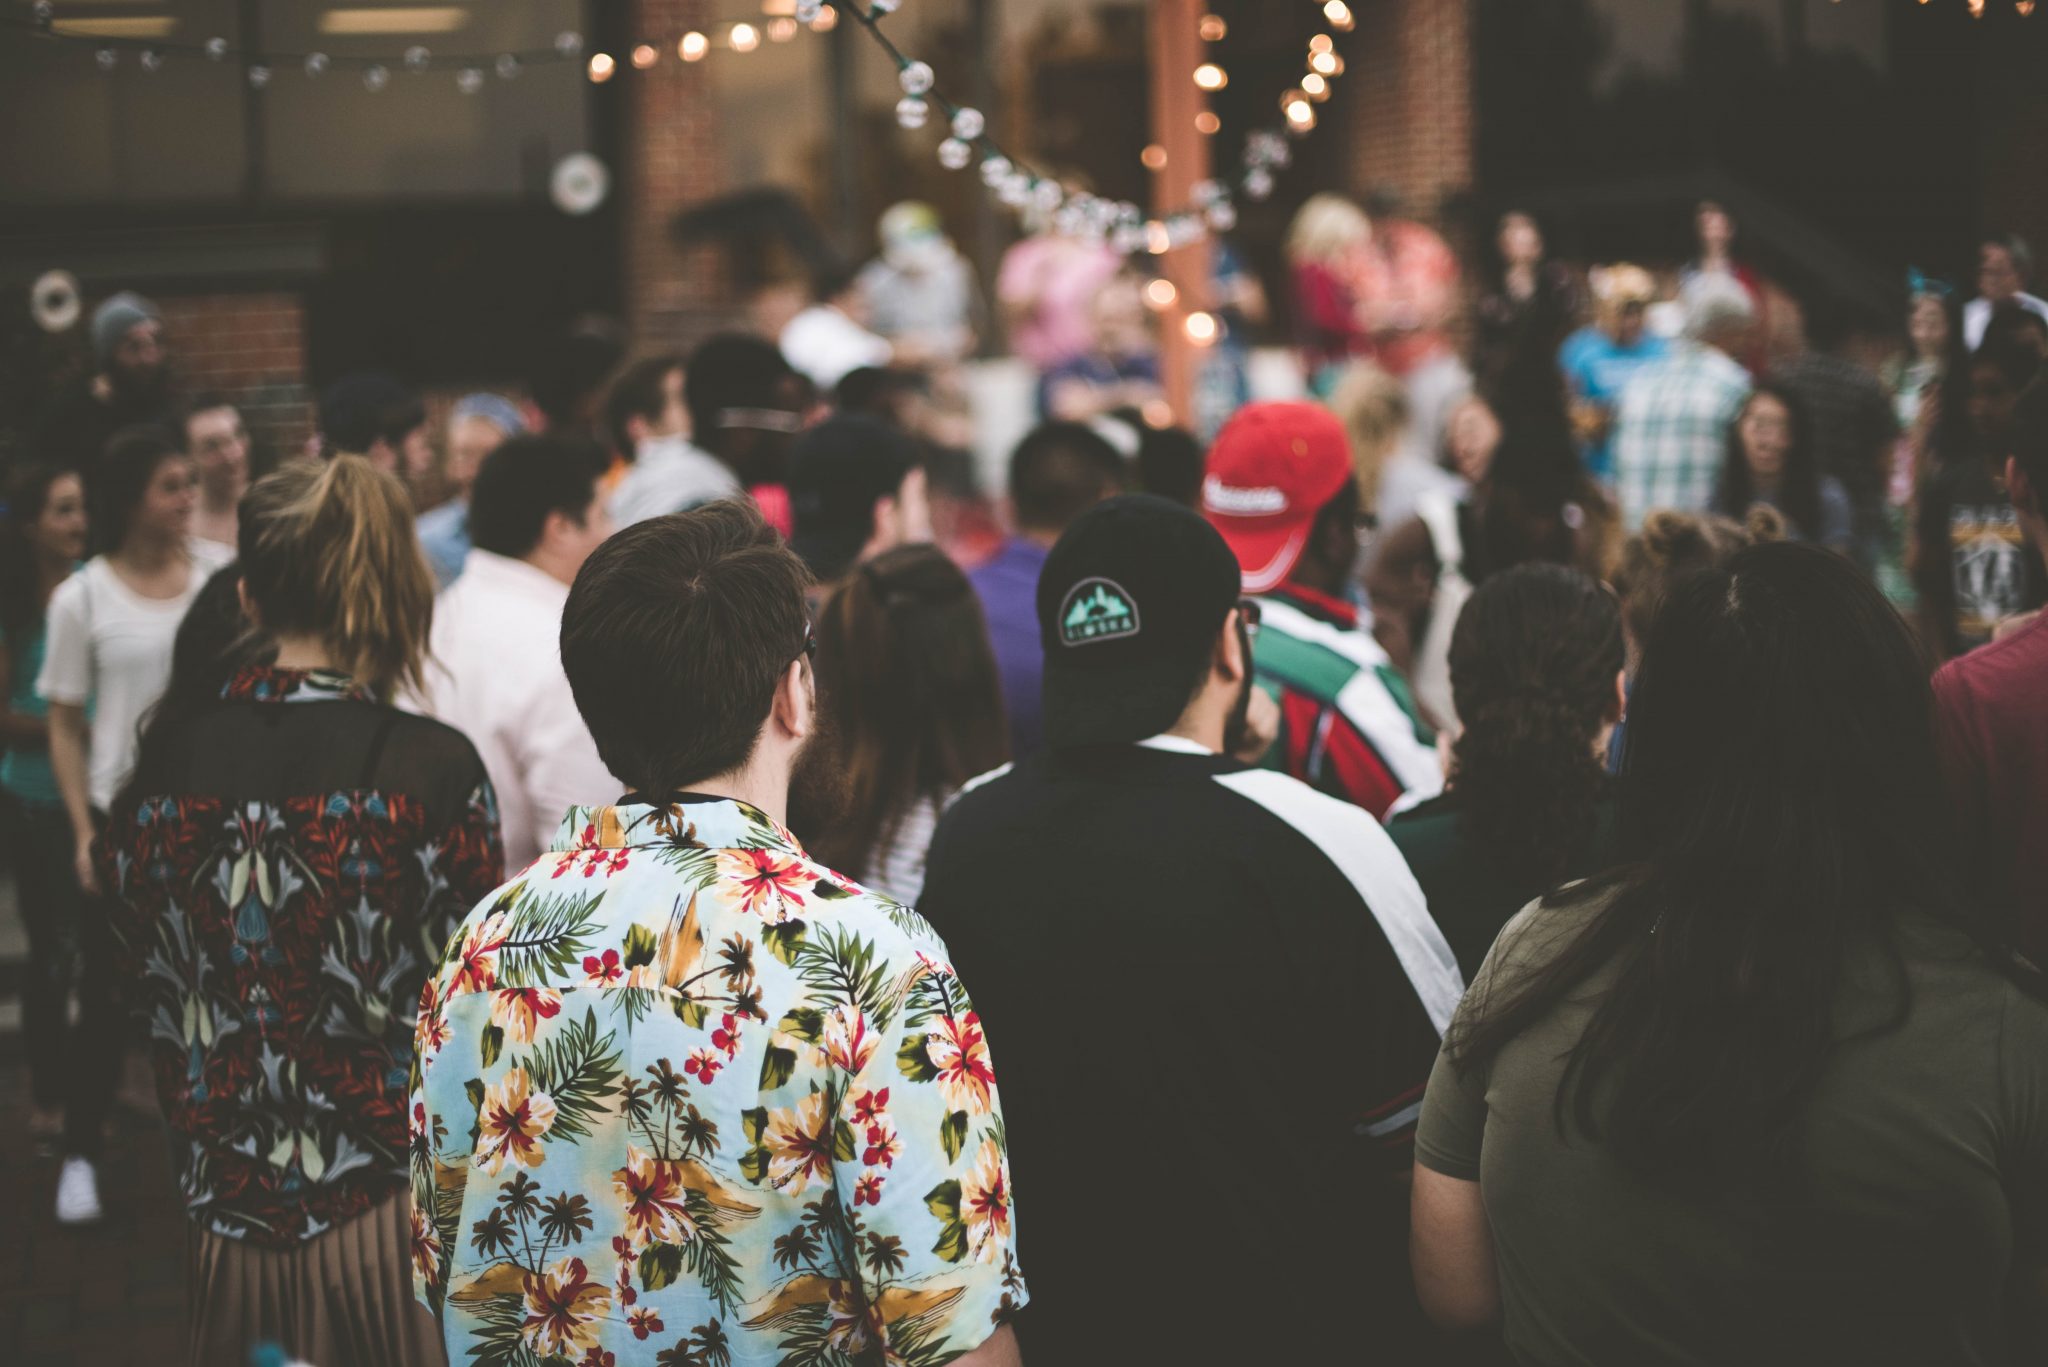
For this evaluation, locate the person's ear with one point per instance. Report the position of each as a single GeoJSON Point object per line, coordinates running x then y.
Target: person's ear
{"type": "Point", "coordinates": [248, 604]}
{"type": "Point", "coordinates": [888, 522]}
{"type": "Point", "coordinates": [795, 709]}
{"type": "Point", "coordinates": [1231, 663]}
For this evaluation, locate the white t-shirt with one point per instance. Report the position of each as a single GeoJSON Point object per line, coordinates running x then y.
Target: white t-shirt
{"type": "Point", "coordinates": [827, 346]}
{"type": "Point", "coordinates": [497, 678]}
{"type": "Point", "coordinates": [109, 646]}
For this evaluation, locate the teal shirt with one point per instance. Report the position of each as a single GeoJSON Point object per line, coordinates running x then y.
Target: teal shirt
{"type": "Point", "coordinates": [1470, 896]}
{"type": "Point", "coordinates": [27, 773]}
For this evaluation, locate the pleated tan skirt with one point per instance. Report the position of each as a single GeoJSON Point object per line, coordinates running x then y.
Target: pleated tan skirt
{"type": "Point", "coordinates": [343, 1299]}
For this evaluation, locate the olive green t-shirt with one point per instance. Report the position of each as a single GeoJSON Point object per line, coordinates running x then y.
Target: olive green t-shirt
{"type": "Point", "coordinates": [1927, 1183]}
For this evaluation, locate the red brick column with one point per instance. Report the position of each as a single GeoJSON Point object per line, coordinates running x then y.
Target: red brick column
{"type": "Point", "coordinates": [1410, 75]}
{"type": "Point", "coordinates": [251, 348]}
{"type": "Point", "coordinates": [670, 157]}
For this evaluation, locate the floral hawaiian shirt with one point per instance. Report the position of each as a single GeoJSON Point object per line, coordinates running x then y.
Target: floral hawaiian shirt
{"type": "Point", "coordinates": [686, 1097]}
{"type": "Point", "coordinates": [277, 923]}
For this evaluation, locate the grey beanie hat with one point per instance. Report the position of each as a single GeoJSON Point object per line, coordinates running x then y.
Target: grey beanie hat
{"type": "Point", "coordinates": [111, 321]}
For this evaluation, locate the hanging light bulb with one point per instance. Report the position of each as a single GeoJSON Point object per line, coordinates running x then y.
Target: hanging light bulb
{"type": "Point", "coordinates": [1206, 122]}
{"type": "Point", "coordinates": [1160, 294]}
{"type": "Point", "coordinates": [912, 112]}
{"type": "Point", "coordinates": [644, 56]}
{"type": "Point", "coordinates": [744, 37]}
{"type": "Point", "coordinates": [955, 154]}
{"type": "Point", "coordinates": [107, 58]}
{"type": "Point", "coordinates": [993, 169]}
{"type": "Point", "coordinates": [316, 63]}
{"type": "Point", "coordinates": [469, 80]}
{"type": "Point", "coordinates": [968, 124]}
{"type": "Point", "coordinates": [807, 11]}
{"type": "Point", "coordinates": [1301, 115]}
{"type": "Point", "coordinates": [151, 60]}
{"type": "Point", "coordinates": [601, 67]}
{"type": "Point", "coordinates": [781, 30]}
{"type": "Point", "coordinates": [259, 76]}
{"type": "Point", "coordinates": [692, 46]}
{"type": "Point", "coordinates": [1339, 15]}
{"type": "Point", "coordinates": [568, 43]}
{"type": "Point", "coordinates": [507, 66]}
{"type": "Point", "coordinates": [827, 21]}
{"type": "Point", "coordinates": [1315, 87]}
{"type": "Point", "coordinates": [1201, 328]}
{"type": "Point", "coordinates": [216, 49]}
{"type": "Point", "coordinates": [375, 78]}
{"type": "Point", "coordinates": [1222, 215]}
{"type": "Point", "coordinates": [1324, 63]}
{"type": "Point", "coordinates": [416, 58]}
{"type": "Point", "coordinates": [1209, 76]}
{"type": "Point", "coordinates": [915, 78]}
{"type": "Point", "coordinates": [883, 6]}
{"type": "Point", "coordinates": [1212, 29]}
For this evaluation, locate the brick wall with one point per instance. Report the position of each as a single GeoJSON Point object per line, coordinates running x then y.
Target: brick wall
{"type": "Point", "coordinates": [670, 158]}
{"type": "Point", "coordinates": [252, 348]}
{"type": "Point", "coordinates": [1410, 79]}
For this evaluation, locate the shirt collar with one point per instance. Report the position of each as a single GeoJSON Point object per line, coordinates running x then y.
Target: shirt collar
{"type": "Point", "coordinates": [686, 821]}
{"type": "Point", "coordinates": [515, 576]}
{"type": "Point", "coordinates": [1177, 745]}
{"type": "Point", "coordinates": [267, 683]}
{"type": "Point", "coordinates": [1317, 604]}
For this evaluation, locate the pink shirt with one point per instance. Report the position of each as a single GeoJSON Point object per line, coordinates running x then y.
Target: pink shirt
{"type": "Point", "coordinates": [1056, 278]}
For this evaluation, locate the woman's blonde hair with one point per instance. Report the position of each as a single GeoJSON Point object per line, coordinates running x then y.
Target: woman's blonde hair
{"type": "Point", "coordinates": [328, 550]}
{"type": "Point", "coordinates": [1373, 406]}
{"type": "Point", "coordinates": [1325, 227]}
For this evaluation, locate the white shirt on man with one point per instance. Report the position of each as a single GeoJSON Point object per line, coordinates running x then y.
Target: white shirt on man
{"type": "Point", "coordinates": [1977, 316]}
{"type": "Point", "coordinates": [497, 677]}
{"type": "Point", "coordinates": [109, 647]}
{"type": "Point", "coordinates": [669, 475]}
{"type": "Point", "coordinates": [827, 346]}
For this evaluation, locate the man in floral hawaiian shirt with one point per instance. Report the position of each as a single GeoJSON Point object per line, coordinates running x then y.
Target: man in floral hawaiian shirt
{"type": "Point", "coordinates": [686, 1097]}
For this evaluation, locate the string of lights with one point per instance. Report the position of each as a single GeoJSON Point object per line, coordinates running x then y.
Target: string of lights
{"type": "Point", "coordinates": [471, 69]}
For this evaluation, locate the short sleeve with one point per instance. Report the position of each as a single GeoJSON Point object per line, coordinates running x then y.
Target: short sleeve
{"type": "Point", "coordinates": [1453, 1125]}
{"type": "Point", "coordinates": [67, 647]}
{"type": "Point", "coordinates": [921, 1162]}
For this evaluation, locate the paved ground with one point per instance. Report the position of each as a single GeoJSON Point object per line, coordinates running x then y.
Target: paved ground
{"type": "Point", "coordinates": [108, 1296]}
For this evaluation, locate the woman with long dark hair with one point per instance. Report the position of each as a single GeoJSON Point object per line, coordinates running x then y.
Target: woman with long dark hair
{"type": "Point", "coordinates": [1764, 1093]}
{"type": "Point", "coordinates": [908, 691]}
{"type": "Point", "coordinates": [42, 539]}
{"type": "Point", "coordinates": [291, 855]}
{"type": "Point", "coordinates": [1771, 460]}
{"type": "Point", "coordinates": [106, 656]}
{"type": "Point", "coordinates": [1536, 666]}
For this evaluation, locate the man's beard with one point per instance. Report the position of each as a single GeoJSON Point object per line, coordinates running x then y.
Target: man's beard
{"type": "Point", "coordinates": [819, 791]}
{"type": "Point", "coordinates": [1237, 731]}
{"type": "Point", "coordinates": [139, 388]}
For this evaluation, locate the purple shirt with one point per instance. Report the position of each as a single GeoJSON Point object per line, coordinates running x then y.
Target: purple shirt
{"type": "Point", "coordinates": [1008, 588]}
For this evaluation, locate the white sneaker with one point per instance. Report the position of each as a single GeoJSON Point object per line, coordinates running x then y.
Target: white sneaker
{"type": "Point", "coordinates": [78, 1193]}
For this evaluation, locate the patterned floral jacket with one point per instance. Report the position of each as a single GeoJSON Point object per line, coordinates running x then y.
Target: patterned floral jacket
{"type": "Point", "coordinates": [277, 923]}
{"type": "Point", "coordinates": [687, 1097]}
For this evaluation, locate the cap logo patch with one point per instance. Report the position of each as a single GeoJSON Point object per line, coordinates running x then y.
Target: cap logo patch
{"type": "Point", "coordinates": [1234, 501]}
{"type": "Point", "coordinates": [1097, 610]}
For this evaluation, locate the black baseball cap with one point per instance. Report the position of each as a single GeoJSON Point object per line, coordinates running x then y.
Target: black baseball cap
{"type": "Point", "coordinates": [836, 472]}
{"type": "Point", "coordinates": [1129, 604]}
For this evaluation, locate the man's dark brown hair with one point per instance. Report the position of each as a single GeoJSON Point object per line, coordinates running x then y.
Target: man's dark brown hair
{"type": "Point", "coordinates": [673, 638]}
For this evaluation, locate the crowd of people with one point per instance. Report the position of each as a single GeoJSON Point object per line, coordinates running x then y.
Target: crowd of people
{"type": "Point", "coordinates": [1477, 864]}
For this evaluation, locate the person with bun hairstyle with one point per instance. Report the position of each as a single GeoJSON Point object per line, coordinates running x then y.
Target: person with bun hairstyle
{"type": "Point", "coordinates": [290, 859]}
{"type": "Point", "coordinates": [1536, 667]}
{"type": "Point", "coordinates": [1670, 549]}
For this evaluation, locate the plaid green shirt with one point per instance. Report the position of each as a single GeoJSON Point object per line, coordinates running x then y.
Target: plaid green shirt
{"type": "Point", "coordinates": [1671, 431]}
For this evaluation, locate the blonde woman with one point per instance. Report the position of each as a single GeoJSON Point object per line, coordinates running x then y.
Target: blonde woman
{"type": "Point", "coordinates": [1326, 246]}
{"type": "Point", "coordinates": [290, 858]}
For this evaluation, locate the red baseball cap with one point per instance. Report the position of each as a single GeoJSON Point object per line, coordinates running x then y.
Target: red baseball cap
{"type": "Point", "coordinates": [1273, 467]}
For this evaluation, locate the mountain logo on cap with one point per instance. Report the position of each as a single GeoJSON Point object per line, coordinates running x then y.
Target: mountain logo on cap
{"type": "Point", "coordinates": [1097, 610]}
